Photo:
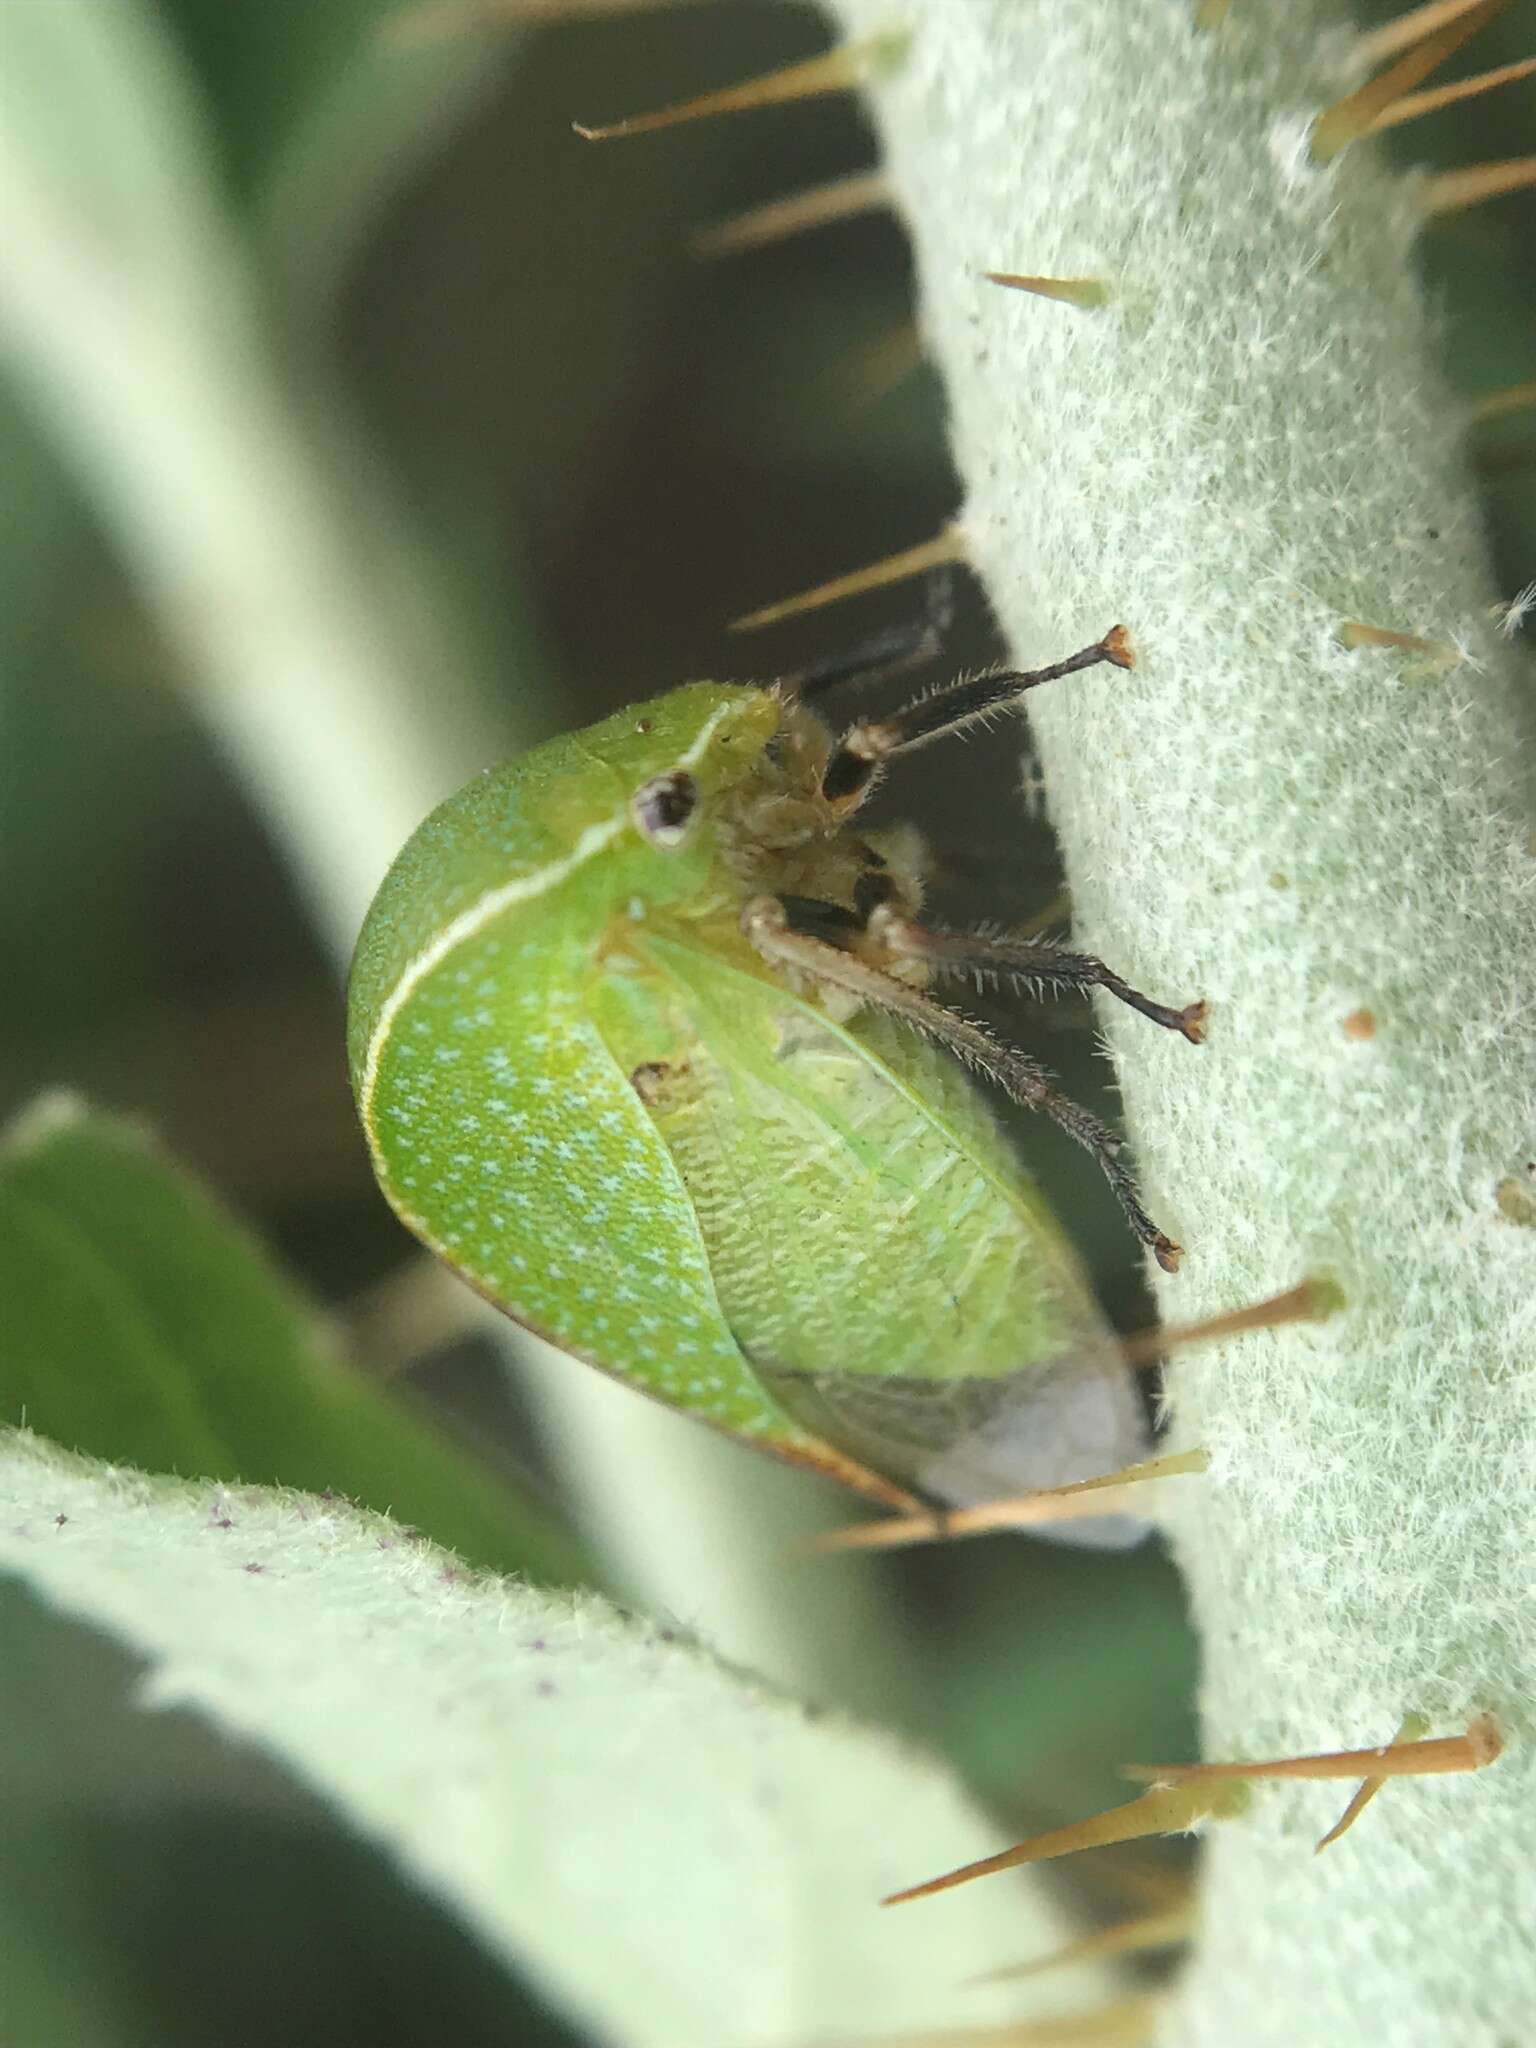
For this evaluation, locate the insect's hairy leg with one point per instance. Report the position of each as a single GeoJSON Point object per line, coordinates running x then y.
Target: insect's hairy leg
{"type": "Point", "coordinates": [889, 651]}
{"type": "Point", "coordinates": [766, 924]}
{"type": "Point", "coordinates": [1024, 962]}
{"type": "Point", "coordinates": [861, 754]}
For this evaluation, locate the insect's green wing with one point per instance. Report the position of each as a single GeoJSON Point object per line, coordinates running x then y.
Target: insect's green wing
{"type": "Point", "coordinates": [583, 1090]}
{"type": "Point", "coordinates": [886, 1264]}
{"type": "Point", "coordinates": [503, 1131]}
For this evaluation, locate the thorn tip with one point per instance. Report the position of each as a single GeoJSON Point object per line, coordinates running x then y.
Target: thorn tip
{"type": "Point", "coordinates": [835, 70]}
{"type": "Point", "coordinates": [818, 206]}
{"type": "Point", "coordinates": [946, 546]}
{"type": "Point", "coordinates": [1088, 292]}
{"type": "Point", "coordinates": [1358, 112]}
{"type": "Point", "coordinates": [1454, 191]}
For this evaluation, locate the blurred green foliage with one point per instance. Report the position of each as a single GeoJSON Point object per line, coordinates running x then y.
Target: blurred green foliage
{"type": "Point", "coordinates": [145, 1328]}
{"type": "Point", "coordinates": [611, 449]}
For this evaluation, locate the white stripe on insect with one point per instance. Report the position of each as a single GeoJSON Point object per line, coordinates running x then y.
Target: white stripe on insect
{"type": "Point", "coordinates": [468, 922]}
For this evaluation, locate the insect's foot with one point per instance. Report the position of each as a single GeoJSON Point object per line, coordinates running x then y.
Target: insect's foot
{"type": "Point", "coordinates": [1192, 1021]}
{"type": "Point", "coordinates": [1169, 1256]}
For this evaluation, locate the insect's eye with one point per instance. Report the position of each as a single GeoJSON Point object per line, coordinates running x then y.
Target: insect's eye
{"type": "Point", "coordinates": [666, 808]}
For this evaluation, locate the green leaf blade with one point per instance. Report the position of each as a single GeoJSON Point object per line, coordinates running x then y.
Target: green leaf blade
{"type": "Point", "coordinates": [677, 1858]}
{"type": "Point", "coordinates": [145, 1327]}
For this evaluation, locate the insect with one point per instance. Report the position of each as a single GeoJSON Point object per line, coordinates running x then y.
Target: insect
{"type": "Point", "coordinates": [645, 1041]}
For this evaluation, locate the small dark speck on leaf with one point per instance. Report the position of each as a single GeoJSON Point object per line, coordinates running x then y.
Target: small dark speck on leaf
{"type": "Point", "coordinates": [255, 1570]}
{"type": "Point", "coordinates": [545, 1687]}
{"type": "Point", "coordinates": [59, 1521]}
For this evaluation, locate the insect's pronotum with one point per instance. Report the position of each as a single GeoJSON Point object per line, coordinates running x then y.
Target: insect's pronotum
{"type": "Point", "coordinates": [647, 1044]}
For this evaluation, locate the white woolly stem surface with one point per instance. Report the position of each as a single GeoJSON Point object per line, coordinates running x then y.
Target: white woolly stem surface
{"type": "Point", "coordinates": [1246, 448]}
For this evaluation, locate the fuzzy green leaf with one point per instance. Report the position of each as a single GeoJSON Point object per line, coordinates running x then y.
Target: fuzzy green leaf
{"type": "Point", "coordinates": [143, 1326]}
{"type": "Point", "coordinates": [675, 1856]}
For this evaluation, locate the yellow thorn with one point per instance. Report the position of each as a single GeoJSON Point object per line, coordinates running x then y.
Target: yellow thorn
{"type": "Point", "coordinates": [438, 18]}
{"type": "Point", "coordinates": [1169, 1467]}
{"type": "Point", "coordinates": [1514, 398]}
{"type": "Point", "coordinates": [1353, 635]}
{"type": "Point", "coordinates": [1130, 1937]}
{"type": "Point", "coordinates": [1058, 911]}
{"type": "Point", "coordinates": [817, 207]}
{"type": "Point", "coordinates": [1088, 292]}
{"type": "Point", "coordinates": [833, 71]}
{"type": "Point", "coordinates": [1162, 1811]}
{"type": "Point", "coordinates": [1452, 191]}
{"type": "Point", "coordinates": [948, 546]}
{"type": "Point", "coordinates": [1313, 1301]}
{"type": "Point", "coordinates": [1134, 1879]}
{"type": "Point", "coordinates": [1354, 115]}
{"type": "Point", "coordinates": [1053, 1504]}
{"type": "Point", "coordinates": [1414, 104]}
{"type": "Point", "coordinates": [1411, 1727]}
{"type": "Point", "coordinates": [1481, 1745]}
{"type": "Point", "coordinates": [1212, 13]}
{"type": "Point", "coordinates": [875, 371]}
{"type": "Point", "coordinates": [1378, 44]}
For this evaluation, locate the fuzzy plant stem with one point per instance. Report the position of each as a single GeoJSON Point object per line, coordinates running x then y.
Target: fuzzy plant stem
{"type": "Point", "coordinates": [1245, 448]}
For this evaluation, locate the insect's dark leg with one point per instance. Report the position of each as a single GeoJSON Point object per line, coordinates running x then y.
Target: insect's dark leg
{"type": "Point", "coordinates": [767, 924]}
{"type": "Point", "coordinates": [890, 650]}
{"type": "Point", "coordinates": [1025, 962]}
{"type": "Point", "coordinates": [811, 918]}
{"type": "Point", "coordinates": [861, 754]}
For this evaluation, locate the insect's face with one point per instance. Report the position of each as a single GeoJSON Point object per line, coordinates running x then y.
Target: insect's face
{"type": "Point", "coordinates": [657, 780]}
{"type": "Point", "coordinates": [625, 808]}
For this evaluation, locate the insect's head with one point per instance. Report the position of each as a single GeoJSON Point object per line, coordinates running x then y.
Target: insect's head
{"type": "Point", "coordinates": [676, 761]}
{"type": "Point", "coordinates": [682, 753]}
